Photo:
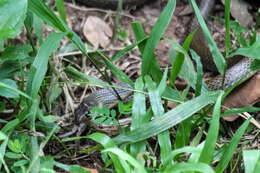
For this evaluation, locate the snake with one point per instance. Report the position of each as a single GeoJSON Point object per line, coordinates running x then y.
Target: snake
{"type": "Point", "coordinates": [107, 96]}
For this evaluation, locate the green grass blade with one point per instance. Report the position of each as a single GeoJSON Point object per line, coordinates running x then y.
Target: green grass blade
{"type": "Point", "coordinates": [107, 142]}
{"type": "Point", "coordinates": [169, 119]}
{"type": "Point", "coordinates": [227, 24]}
{"type": "Point", "coordinates": [139, 116]}
{"type": "Point", "coordinates": [3, 150]}
{"type": "Point", "coordinates": [251, 51]}
{"type": "Point", "coordinates": [119, 74]}
{"type": "Point", "coordinates": [125, 156]}
{"type": "Point", "coordinates": [239, 110]}
{"type": "Point", "coordinates": [188, 149]}
{"type": "Point", "coordinates": [187, 72]}
{"type": "Point", "coordinates": [40, 63]}
{"type": "Point", "coordinates": [183, 134]}
{"type": "Point", "coordinates": [253, 38]}
{"type": "Point", "coordinates": [217, 56]}
{"type": "Point", "coordinates": [199, 76]}
{"type": "Point", "coordinates": [140, 35]}
{"type": "Point", "coordinates": [251, 159]}
{"type": "Point", "coordinates": [158, 111]}
{"type": "Point", "coordinates": [162, 85]}
{"type": "Point", "coordinates": [184, 167]}
{"type": "Point", "coordinates": [172, 95]}
{"type": "Point", "coordinates": [176, 67]}
{"type": "Point", "coordinates": [73, 73]}
{"type": "Point", "coordinates": [46, 14]}
{"type": "Point", "coordinates": [121, 53]}
{"type": "Point", "coordinates": [211, 139]}
{"type": "Point", "coordinates": [61, 10]}
{"type": "Point", "coordinates": [156, 34]}
{"type": "Point", "coordinates": [221, 166]}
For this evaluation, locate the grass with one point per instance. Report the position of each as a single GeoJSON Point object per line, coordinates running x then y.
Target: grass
{"type": "Point", "coordinates": [28, 84]}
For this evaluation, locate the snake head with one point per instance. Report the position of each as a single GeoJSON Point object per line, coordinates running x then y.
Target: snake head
{"type": "Point", "coordinates": [84, 108]}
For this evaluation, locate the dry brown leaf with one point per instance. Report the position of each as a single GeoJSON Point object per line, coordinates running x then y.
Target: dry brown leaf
{"type": "Point", "coordinates": [246, 95]}
{"type": "Point", "coordinates": [239, 10]}
{"type": "Point", "coordinates": [97, 32]}
{"type": "Point", "coordinates": [186, 11]}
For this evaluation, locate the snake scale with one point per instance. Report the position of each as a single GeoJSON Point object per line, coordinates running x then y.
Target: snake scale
{"type": "Point", "coordinates": [234, 73]}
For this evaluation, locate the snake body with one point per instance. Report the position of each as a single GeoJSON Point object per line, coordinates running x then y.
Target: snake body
{"type": "Point", "coordinates": [106, 97]}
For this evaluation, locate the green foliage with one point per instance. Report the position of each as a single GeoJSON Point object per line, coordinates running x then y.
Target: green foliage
{"type": "Point", "coordinates": [35, 94]}
{"type": "Point", "coordinates": [103, 115]}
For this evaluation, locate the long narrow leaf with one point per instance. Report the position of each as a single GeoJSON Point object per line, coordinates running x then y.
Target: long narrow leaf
{"type": "Point", "coordinates": [184, 167]}
{"type": "Point", "coordinates": [251, 159]}
{"type": "Point", "coordinates": [156, 34]}
{"type": "Point", "coordinates": [139, 116]}
{"type": "Point", "coordinates": [221, 166]}
{"type": "Point", "coordinates": [157, 107]}
{"type": "Point", "coordinates": [107, 142]}
{"type": "Point", "coordinates": [169, 119]}
{"type": "Point", "coordinates": [211, 139]}
{"type": "Point", "coordinates": [124, 156]}
{"type": "Point", "coordinates": [216, 54]}
{"type": "Point", "coordinates": [140, 35]}
{"type": "Point", "coordinates": [39, 66]}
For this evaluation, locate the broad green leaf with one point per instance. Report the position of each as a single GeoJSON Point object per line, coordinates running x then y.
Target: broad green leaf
{"type": "Point", "coordinates": [169, 119]}
{"type": "Point", "coordinates": [20, 163]}
{"type": "Point", "coordinates": [12, 155]}
{"type": "Point", "coordinates": [8, 92]}
{"type": "Point", "coordinates": [158, 111]}
{"type": "Point", "coordinates": [15, 53]}
{"type": "Point", "coordinates": [3, 85]}
{"type": "Point", "coordinates": [251, 160]}
{"type": "Point", "coordinates": [139, 116]}
{"type": "Point", "coordinates": [251, 51]}
{"type": "Point", "coordinates": [12, 16]}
